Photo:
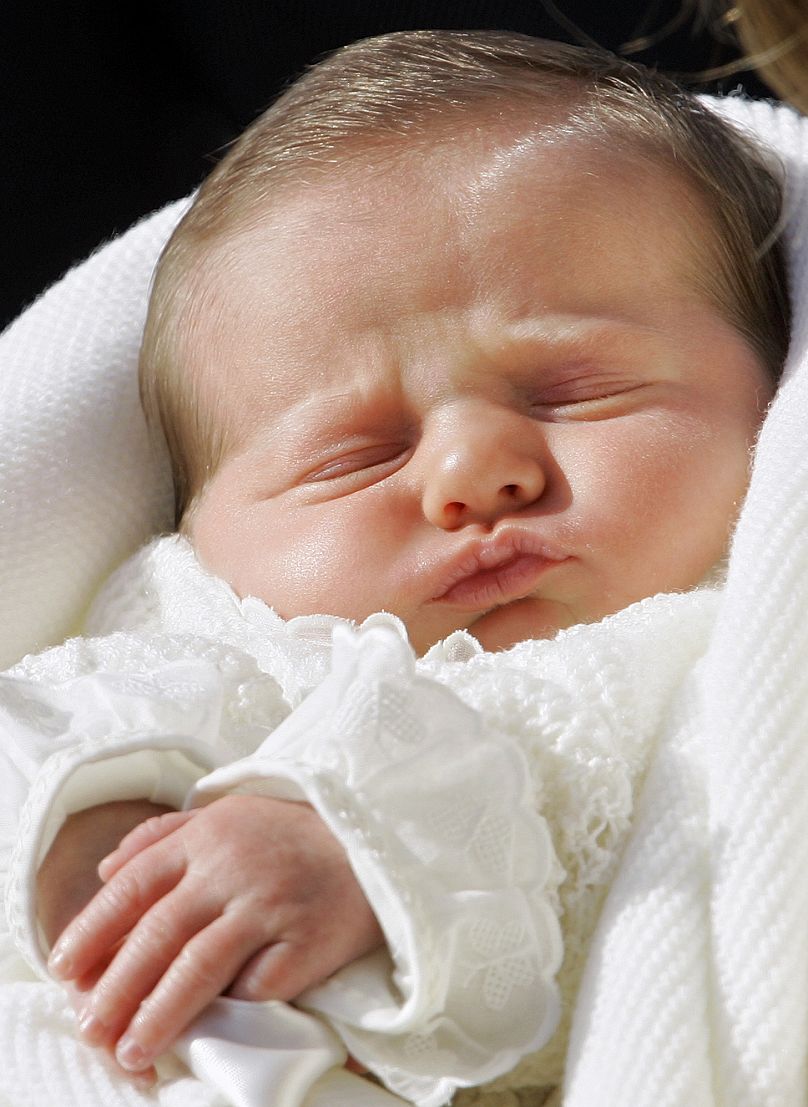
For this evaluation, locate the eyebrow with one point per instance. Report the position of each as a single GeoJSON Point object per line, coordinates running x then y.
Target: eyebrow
{"type": "Point", "coordinates": [571, 332]}
{"type": "Point", "coordinates": [321, 416]}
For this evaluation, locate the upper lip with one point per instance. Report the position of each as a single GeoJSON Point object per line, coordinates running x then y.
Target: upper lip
{"type": "Point", "coordinates": [495, 551]}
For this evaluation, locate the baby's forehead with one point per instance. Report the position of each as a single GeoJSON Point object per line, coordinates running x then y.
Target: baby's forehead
{"type": "Point", "coordinates": [379, 257]}
{"type": "Point", "coordinates": [459, 186]}
{"type": "Point", "coordinates": [505, 227]}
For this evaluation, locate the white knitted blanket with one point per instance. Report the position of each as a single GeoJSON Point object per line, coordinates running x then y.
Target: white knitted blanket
{"type": "Point", "coordinates": [81, 486]}
{"type": "Point", "coordinates": [696, 990]}
{"type": "Point", "coordinates": [696, 993]}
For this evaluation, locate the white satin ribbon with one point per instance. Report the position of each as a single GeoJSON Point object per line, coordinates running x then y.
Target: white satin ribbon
{"type": "Point", "coordinates": [273, 1055]}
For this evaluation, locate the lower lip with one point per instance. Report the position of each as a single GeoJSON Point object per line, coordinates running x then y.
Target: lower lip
{"type": "Point", "coordinates": [490, 587]}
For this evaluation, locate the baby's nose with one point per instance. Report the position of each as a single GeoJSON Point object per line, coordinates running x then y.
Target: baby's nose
{"type": "Point", "coordinates": [481, 475]}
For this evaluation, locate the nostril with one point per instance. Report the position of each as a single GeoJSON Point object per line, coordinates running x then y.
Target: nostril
{"type": "Point", "coordinates": [511, 489]}
{"type": "Point", "coordinates": [454, 510]}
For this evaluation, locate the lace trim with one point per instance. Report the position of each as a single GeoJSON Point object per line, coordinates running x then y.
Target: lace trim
{"type": "Point", "coordinates": [436, 815]}
{"type": "Point", "coordinates": [74, 737]}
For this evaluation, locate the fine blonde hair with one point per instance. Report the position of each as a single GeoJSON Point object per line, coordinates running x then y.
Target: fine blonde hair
{"type": "Point", "coordinates": [395, 92]}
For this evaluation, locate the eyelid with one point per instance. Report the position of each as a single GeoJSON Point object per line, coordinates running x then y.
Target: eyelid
{"type": "Point", "coordinates": [355, 461]}
{"type": "Point", "coordinates": [586, 385]}
{"type": "Point", "coordinates": [583, 395]}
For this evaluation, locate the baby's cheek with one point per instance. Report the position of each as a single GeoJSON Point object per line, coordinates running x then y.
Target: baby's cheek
{"type": "Point", "coordinates": [336, 559]}
{"type": "Point", "coordinates": [648, 511]}
{"type": "Point", "coordinates": [687, 502]}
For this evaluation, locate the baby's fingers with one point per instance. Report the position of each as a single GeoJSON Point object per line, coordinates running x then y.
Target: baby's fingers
{"type": "Point", "coordinates": [200, 973]}
{"type": "Point", "coordinates": [149, 951]}
{"type": "Point", "coordinates": [278, 971]}
{"type": "Point", "coordinates": [145, 1079]}
{"type": "Point", "coordinates": [145, 834]}
{"type": "Point", "coordinates": [113, 911]}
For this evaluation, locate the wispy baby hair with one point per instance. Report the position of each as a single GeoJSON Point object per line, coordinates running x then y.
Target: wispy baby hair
{"type": "Point", "coordinates": [387, 97]}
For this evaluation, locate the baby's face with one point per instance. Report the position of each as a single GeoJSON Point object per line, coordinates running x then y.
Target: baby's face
{"type": "Point", "coordinates": [482, 393]}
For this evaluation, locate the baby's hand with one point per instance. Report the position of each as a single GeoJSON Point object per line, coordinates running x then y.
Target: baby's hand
{"type": "Point", "coordinates": [250, 893]}
{"type": "Point", "coordinates": [68, 877]}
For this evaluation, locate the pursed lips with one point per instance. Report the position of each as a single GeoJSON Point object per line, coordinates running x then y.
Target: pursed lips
{"type": "Point", "coordinates": [494, 570]}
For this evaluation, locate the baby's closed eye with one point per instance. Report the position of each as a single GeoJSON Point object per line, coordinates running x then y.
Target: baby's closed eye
{"type": "Point", "coordinates": [362, 465]}
{"type": "Point", "coordinates": [592, 396]}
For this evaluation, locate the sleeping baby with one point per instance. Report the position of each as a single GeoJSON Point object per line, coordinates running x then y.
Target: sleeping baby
{"type": "Point", "coordinates": [460, 354]}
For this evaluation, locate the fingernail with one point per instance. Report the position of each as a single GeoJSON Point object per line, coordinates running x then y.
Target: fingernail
{"type": "Point", "coordinates": [91, 1028]}
{"type": "Point", "coordinates": [130, 1055]}
{"type": "Point", "coordinates": [59, 962]}
{"type": "Point", "coordinates": [143, 1080]}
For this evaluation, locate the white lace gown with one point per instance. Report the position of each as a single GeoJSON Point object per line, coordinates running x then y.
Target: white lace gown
{"type": "Point", "coordinates": [482, 799]}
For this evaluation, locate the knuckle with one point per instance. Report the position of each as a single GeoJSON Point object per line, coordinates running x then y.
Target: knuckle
{"type": "Point", "coordinates": [124, 892]}
{"type": "Point", "coordinates": [152, 827]}
{"type": "Point", "coordinates": [151, 935]}
{"type": "Point", "coordinates": [115, 998]}
{"type": "Point", "coordinates": [260, 982]}
{"type": "Point", "coordinates": [268, 976]}
{"type": "Point", "coordinates": [196, 969]}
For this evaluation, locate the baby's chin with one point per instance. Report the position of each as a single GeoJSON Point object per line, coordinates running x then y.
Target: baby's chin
{"type": "Point", "coordinates": [518, 621]}
{"type": "Point", "coordinates": [534, 617]}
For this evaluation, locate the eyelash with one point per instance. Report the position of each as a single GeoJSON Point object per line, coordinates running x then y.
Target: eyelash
{"type": "Point", "coordinates": [354, 464]}
{"type": "Point", "coordinates": [593, 397]}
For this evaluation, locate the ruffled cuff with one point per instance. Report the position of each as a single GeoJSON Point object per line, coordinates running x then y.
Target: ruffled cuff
{"type": "Point", "coordinates": [436, 816]}
{"type": "Point", "coordinates": [143, 767]}
{"type": "Point", "coordinates": [114, 739]}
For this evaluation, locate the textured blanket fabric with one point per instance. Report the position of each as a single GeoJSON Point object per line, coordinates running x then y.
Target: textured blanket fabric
{"type": "Point", "coordinates": [695, 993]}
{"type": "Point", "coordinates": [697, 990]}
{"type": "Point", "coordinates": [81, 485]}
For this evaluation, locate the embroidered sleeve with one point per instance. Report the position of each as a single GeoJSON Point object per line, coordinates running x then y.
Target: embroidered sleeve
{"type": "Point", "coordinates": [436, 813]}
{"type": "Point", "coordinates": [117, 718]}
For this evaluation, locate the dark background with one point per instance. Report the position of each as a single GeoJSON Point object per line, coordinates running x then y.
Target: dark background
{"type": "Point", "coordinates": [110, 108]}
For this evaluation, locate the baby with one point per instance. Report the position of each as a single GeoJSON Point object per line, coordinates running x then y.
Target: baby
{"type": "Point", "coordinates": [472, 329]}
